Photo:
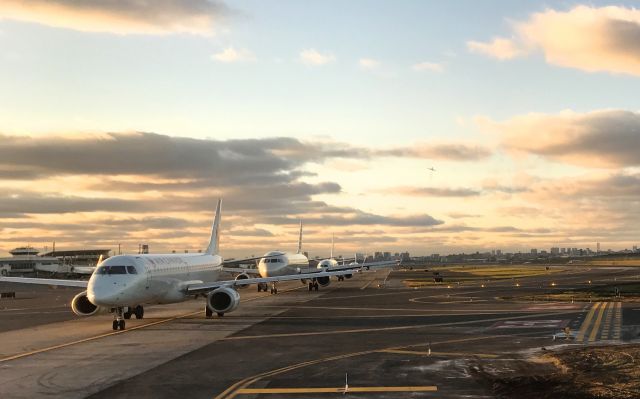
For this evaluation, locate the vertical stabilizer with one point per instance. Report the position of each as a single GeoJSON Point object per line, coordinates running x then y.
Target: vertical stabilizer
{"type": "Point", "coordinates": [300, 238]}
{"type": "Point", "coordinates": [214, 243]}
{"type": "Point", "coordinates": [332, 237]}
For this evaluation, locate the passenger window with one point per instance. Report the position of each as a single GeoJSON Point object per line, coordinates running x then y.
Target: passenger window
{"type": "Point", "coordinates": [132, 270]}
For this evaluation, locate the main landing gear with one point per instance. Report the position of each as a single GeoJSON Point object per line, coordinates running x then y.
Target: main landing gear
{"type": "Point", "coordinates": [262, 287]}
{"type": "Point", "coordinates": [274, 288]}
{"type": "Point", "coordinates": [313, 285]}
{"type": "Point", "coordinates": [138, 311]}
{"type": "Point", "coordinates": [340, 278]}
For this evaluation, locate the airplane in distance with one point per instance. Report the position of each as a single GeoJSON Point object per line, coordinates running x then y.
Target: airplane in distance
{"type": "Point", "coordinates": [432, 169]}
{"type": "Point", "coordinates": [123, 284]}
{"type": "Point", "coordinates": [278, 263]}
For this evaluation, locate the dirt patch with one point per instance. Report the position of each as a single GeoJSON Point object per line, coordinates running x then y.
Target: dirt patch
{"type": "Point", "coordinates": [605, 372]}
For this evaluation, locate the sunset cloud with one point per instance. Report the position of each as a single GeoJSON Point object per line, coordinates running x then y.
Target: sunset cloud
{"type": "Point", "coordinates": [604, 138]}
{"type": "Point", "coordinates": [587, 38]}
{"type": "Point", "coordinates": [119, 16]}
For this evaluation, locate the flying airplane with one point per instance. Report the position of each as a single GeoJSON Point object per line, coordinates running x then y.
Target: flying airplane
{"type": "Point", "coordinates": [432, 169]}
{"type": "Point", "coordinates": [123, 284]}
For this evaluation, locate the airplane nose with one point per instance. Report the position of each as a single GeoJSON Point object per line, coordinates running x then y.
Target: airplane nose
{"type": "Point", "coordinates": [263, 269]}
{"type": "Point", "coordinates": [103, 293]}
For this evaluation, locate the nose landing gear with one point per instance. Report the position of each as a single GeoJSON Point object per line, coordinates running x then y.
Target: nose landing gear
{"type": "Point", "coordinates": [313, 286]}
{"type": "Point", "coordinates": [118, 323]}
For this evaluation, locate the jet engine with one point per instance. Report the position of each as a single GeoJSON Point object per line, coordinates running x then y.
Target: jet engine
{"type": "Point", "coordinates": [240, 277]}
{"type": "Point", "coordinates": [223, 300]}
{"type": "Point", "coordinates": [324, 281]}
{"type": "Point", "coordinates": [82, 306]}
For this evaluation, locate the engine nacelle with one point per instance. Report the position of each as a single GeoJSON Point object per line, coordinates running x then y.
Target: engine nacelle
{"type": "Point", "coordinates": [239, 278]}
{"type": "Point", "coordinates": [324, 281]}
{"type": "Point", "coordinates": [82, 306]}
{"type": "Point", "coordinates": [223, 300]}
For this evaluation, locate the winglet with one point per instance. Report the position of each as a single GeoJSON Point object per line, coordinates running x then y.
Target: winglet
{"type": "Point", "coordinates": [214, 243]}
{"type": "Point", "coordinates": [300, 239]}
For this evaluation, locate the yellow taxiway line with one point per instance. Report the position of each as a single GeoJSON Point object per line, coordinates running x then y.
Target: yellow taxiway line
{"type": "Point", "coordinates": [596, 325]}
{"type": "Point", "coordinates": [587, 321]}
{"type": "Point", "coordinates": [234, 389]}
{"type": "Point", "coordinates": [95, 337]}
{"type": "Point", "coordinates": [50, 348]}
{"type": "Point", "coordinates": [261, 391]}
{"type": "Point", "coordinates": [436, 354]}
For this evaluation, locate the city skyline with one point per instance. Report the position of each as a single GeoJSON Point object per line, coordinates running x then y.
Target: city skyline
{"type": "Point", "coordinates": [406, 126]}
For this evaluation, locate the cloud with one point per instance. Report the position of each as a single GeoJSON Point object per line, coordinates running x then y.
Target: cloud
{"type": "Point", "coordinates": [428, 66]}
{"type": "Point", "coordinates": [315, 58]}
{"type": "Point", "coordinates": [189, 162]}
{"type": "Point", "coordinates": [120, 16]}
{"type": "Point", "coordinates": [604, 138]}
{"type": "Point", "coordinates": [587, 38]}
{"type": "Point", "coordinates": [357, 217]}
{"type": "Point", "coordinates": [456, 152]}
{"type": "Point", "coordinates": [434, 191]}
{"type": "Point", "coordinates": [502, 49]}
{"type": "Point", "coordinates": [368, 63]}
{"type": "Point", "coordinates": [231, 55]}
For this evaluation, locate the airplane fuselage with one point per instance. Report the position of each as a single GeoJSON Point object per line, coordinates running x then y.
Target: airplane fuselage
{"type": "Point", "coordinates": [125, 280]}
{"type": "Point", "coordinates": [278, 263]}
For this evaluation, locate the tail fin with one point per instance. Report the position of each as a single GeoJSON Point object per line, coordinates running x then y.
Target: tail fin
{"type": "Point", "coordinates": [214, 243]}
{"type": "Point", "coordinates": [332, 238]}
{"type": "Point", "coordinates": [300, 239]}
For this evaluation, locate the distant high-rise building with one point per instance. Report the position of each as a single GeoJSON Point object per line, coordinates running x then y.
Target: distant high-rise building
{"type": "Point", "coordinates": [555, 251]}
{"type": "Point", "coordinates": [498, 252]}
{"type": "Point", "coordinates": [597, 247]}
{"type": "Point", "coordinates": [534, 251]}
{"type": "Point", "coordinates": [386, 255]}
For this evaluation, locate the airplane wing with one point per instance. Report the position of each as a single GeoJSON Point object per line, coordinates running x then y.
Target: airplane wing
{"type": "Point", "coordinates": [234, 261]}
{"type": "Point", "coordinates": [240, 270]}
{"type": "Point", "coordinates": [379, 265]}
{"type": "Point", "coordinates": [355, 266]}
{"type": "Point", "coordinates": [200, 288]}
{"type": "Point", "coordinates": [45, 281]}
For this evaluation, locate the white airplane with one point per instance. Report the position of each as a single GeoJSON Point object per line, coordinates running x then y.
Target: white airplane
{"type": "Point", "coordinates": [277, 264]}
{"type": "Point", "coordinates": [122, 284]}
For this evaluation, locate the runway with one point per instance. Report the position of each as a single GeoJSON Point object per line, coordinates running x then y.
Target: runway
{"type": "Point", "coordinates": [369, 335]}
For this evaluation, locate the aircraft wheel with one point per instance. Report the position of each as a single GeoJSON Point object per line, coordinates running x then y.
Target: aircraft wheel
{"type": "Point", "coordinates": [310, 286]}
{"type": "Point", "coordinates": [220, 314]}
{"type": "Point", "coordinates": [316, 286]}
{"type": "Point", "coordinates": [127, 315]}
{"type": "Point", "coordinates": [121, 324]}
{"type": "Point", "coordinates": [139, 312]}
{"type": "Point", "coordinates": [275, 290]}
{"type": "Point", "coordinates": [208, 312]}
{"type": "Point", "coordinates": [259, 288]}
{"type": "Point", "coordinates": [115, 325]}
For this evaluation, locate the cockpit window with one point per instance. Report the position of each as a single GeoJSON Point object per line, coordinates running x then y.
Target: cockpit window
{"type": "Point", "coordinates": [112, 270]}
{"type": "Point", "coordinates": [132, 270]}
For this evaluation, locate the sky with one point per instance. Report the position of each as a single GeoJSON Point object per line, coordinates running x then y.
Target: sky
{"type": "Point", "coordinates": [122, 122]}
